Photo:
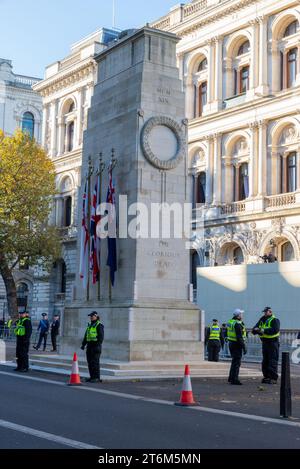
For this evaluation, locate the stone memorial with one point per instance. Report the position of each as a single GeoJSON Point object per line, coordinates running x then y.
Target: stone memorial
{"type": "Point", "coordinates": [138, 109]}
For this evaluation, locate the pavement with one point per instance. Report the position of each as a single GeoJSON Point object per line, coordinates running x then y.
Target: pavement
{"type": "Point", "coordinates": [38, 410]}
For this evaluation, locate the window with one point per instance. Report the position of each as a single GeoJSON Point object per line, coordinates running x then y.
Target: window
{"type": "Point", "coordinates": [242, 186]}
{"type": "Point", "coordinates": [200, 188]}
{"type": "Point", "coordinates": [28, 124]}
{"type": "Point", "coordinates": [291, 67]}
{"type": "Point", "coordinates": [68, 211]}
{"type": "Point", "coordinates": [70, 136]}
{"type": "Point", "coordinates": [244, 80]}
{"type": "Point", "coordinates": [291, 172]}
{"type": "Point", "coordinates": [202, 97]}
{"type": "Point", "coordinates": [291, 29]}
{"type": "Point", "coordinates": [244, 48]}
{"type": "Point", "coordinates": [22, 296]}
{"type": "Point", "coordinates": [238, 256]}
{"type": "Point", "coordinates": [287, 252]}
{"type": "Point", "coordinates": [63, 278]}
{"type": "Point", "coordinates": [72, 107]}
{"type": "Point", "coordinates": [202, 65]}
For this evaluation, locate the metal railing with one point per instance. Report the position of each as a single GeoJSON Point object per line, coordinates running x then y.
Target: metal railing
{"type": "Point", "coordinates": [8, 335]}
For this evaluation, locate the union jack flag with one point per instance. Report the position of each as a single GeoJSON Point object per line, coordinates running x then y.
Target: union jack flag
{"type": "Point", "coordinates": [85, 236]}
{"type": "Point", "coordinates": [95, 241]}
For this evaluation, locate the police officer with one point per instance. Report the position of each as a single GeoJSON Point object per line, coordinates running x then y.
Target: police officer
{"type": "Point", "coordinates": [268, 328]}
{"type": "Point", "coordinates": [54, 332]}
{"type": "Point", "coordinates": [44, 326]}
{"type": "Point", "coordinates": [93, 338]}
{"type": "Point", "coordinates": [214, 340]}
{"type": "Point", "coordinates": [236, 336]}
{"type": "Point", "coordinates": [23, 333]}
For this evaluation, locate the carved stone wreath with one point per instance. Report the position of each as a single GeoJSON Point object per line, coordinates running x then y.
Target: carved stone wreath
{"type": "Point", "coordinates": [179, 133]}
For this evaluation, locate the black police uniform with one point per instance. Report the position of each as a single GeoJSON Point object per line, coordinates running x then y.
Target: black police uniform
{"type": "Point", "coordinates": [270, 348]}
{"type": "Point", "coordinates": [23, 343]}
{"type": "Point", "coordinates": [93, 352]}
{"type": "Point", "coordinates": [54, 333]}
{"type": "Point", "coordinates": [236, 352]}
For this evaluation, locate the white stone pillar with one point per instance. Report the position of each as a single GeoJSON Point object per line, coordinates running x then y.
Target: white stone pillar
{"type": "Point", "coordinates": [263, 85]}
{"type": "Point", "coordinates": [209, 172]}
{"type": "Point", "coordinates": [262, 158]}
{"type": "Point", "coordinates": [53, 124]}
{"type": "Point", "coordinates": [79, 131]}
{"type": "Point", "coordinates": [229, 77]}
{"type": "Point", "coordinates": [276, 64]}
{"type": "Point", "coordinates": [211, 69]}
{"type": "Point", "coordinates": [218, 92]}
{"type": "Point", "coordinates": [253, 159]}
{"type": "Point", "coordinates": [276, 172]}
{"type": "Point", "coordinates": [254, 61]}
{"type": "Point", "coordinates": [61, 136]}
{"type": "Point", "coordinates": [190, 98]}
{"type": "Point", "coordinates": [44, 124]}
{"type": "Point", "coordinates": [217, 170]}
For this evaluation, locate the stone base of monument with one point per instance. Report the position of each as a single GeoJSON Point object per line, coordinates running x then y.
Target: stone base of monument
{"type": "Point", "coordinates": [159, 331]}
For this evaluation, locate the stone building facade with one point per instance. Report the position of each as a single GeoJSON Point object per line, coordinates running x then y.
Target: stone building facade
{"type": "Point", "coordinates": [20, 107]}
{"type": "Point", "coordinates": [66, 92]}
{"type": "Point", "coordinates": [240, 63]}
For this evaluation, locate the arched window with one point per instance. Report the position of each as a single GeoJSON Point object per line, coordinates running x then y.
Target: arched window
{"type": "Point", "coordinates": [72, 107]}
{"type": "Point", "coordinates": [287, 252]}
{"type": "Point", "coordinates": [202, 97]}
{"type": "Point", "coordinates": [28, 124]}
{"type": "Point", "coordinates": [291, 29]}
{"type": "Point", "coordinates": [68, 211]}
{"type": "Point", "coordinates": [22, 296]}
{"type": "Point", "coordinates": [244, 48]}
{"type": "Point", "coordinates": [291, 172]}
{"type": "Point", "coordinates": [292, 56]}
{"type": "Point", "coordinates": [203, 65]}
{"type": "Point", "coordinates": [200, 188]}
{"type": "Point", "coordinates": [238, 256]}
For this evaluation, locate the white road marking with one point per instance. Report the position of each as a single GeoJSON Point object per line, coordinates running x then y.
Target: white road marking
{"type": "Point", "coordinates": [163, 402]}
{"type": "Point", "coordinates": [46, 436]}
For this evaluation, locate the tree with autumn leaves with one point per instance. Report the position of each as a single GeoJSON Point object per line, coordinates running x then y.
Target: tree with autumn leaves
{"type": "Point", "coordinates": [27, 187]}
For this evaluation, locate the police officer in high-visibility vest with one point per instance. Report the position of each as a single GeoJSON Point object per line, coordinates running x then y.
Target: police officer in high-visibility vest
{"type": "Point", "coordinates": [23, 333]}
{"type": "Point", "coordinates": [268, 328]}
{"type": "Point", "coordinates": [214, 340]}
{"type": "Point", "coordinates": [93, 339]}
{"type": "Point", "coordinates": [236, 336]}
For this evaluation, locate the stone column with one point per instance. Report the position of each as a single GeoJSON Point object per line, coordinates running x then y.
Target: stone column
{"type": "Point", "coordinates": [228, 180]}
{"type": "Point", "coordinates": [254, 62]}
{"type": "Point", "coordinates": [78, 137]}
{"type": "Point", "coordinates": [209, 172]}
{"type": "Point", "coordinates": [190, 98]}
{"type": "Point", "coordinates": [276, 64]}
{"type": "Point", "coordinates": [262, 158]}
{"type": "Point", "coordinates": [253, 159]}
{"type": "Point", "coordinates": [44, 125]}
{"type": "Point", "coordinates": [263, 85]}
{"type": "Point", "coordinates": [218, 92]}
{"type": "Point", "coordinates": [61, 135]}
{"type": "Point", "coordinates": [53, 123]}
{"type": "Point", "coordinates": [229, 77]}
{"type": "Point", "coordinates": [217, 170]}
{"type": "Point", "coordinates": [211, 69]}
{"type": "Point", "coordinates": [276, 173]}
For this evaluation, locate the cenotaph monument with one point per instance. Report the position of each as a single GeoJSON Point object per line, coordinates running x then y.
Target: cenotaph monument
{"type": "Point", "coordinates": [138, 109]}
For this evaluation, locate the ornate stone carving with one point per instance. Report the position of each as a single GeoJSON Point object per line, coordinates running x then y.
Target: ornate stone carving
{"type": "Point", "coordinates": [179, 134]}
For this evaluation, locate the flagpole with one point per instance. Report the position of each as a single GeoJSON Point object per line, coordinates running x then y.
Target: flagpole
{"type": "Point", "coordinates": [100, 173]}
{"type": "Point", "coordinates": [90, 172]}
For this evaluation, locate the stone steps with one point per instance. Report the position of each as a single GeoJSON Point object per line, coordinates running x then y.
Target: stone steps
{"type": "Point", "coordinates": [141, 370]}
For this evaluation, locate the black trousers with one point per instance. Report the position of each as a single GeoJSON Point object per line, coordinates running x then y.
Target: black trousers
{"type": "Point", "coordinates": [22, 353]}
{"type": "Point", "coordinates": [43, 336]}
{"type": "Point", "coordinates": [213, 348]}
{"type": "Point", "coordinates": [236, 352]}
{"type": "Point", "coordinates": [270, 349]}
{"type": "Point", "coordinates": [53, 340]}
{"type": "Point", "coordinates": [93, 353]}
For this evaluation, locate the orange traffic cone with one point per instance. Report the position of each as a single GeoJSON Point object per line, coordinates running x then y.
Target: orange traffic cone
{"type": "Point", "coordinates": [75, 378]}
{"type": "Point", "coordinates": [187, 398]}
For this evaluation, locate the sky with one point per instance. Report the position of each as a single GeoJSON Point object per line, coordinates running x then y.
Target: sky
{"type": "Point", "coordinates": [36, 33]}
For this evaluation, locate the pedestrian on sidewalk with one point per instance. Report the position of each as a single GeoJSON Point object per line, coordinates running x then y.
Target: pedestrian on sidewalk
{"type": "Point", "coordinates": [236, 336]}
{"type": "Point", "coordinates": [268, 329]}
{"type": "Point", "coordinates": [44, 330]}
{"type": "Point", "coordinates": [55, 332]}
{"type": "Point", "coordinates": [93, 340]}
{"type": "Point", "coordinates": [214, 340]}
{"type": "Point", "coordinates": [23, 333]}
